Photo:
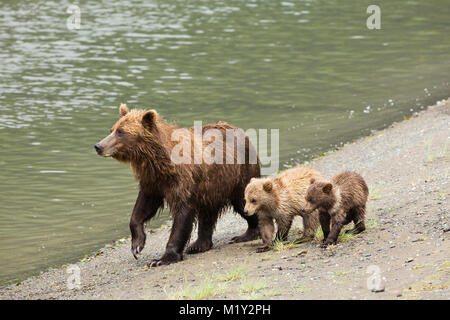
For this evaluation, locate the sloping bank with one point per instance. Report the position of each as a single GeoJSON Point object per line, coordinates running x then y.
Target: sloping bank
{"type": "Point", "coordinates": [408, 240]}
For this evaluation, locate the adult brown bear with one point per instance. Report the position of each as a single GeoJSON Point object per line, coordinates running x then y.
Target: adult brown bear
{"type": "Point", "coordinates": [194, 190]}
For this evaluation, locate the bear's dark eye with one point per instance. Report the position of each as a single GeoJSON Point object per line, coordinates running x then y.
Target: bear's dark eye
{"type": "Point", "coordinates": [253, 201]}
{"type": "Point", "coordinates": [120, 131]}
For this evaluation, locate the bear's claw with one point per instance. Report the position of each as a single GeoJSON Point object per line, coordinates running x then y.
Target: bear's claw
{"type": "Point", "coordinates": [199, 246]}
{"type": "Point", "coordinates": [249, 235]}
{"type": "Point", "coordinates": [154, 263]}
{"type": "Point", "coordinates": [136, 251]}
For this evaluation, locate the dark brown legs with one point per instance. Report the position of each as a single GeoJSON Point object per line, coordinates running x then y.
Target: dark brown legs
{"type": "Point", "coordinates": [180, 233]}
{"type": "Point", "coordinates": [358, 218]}
{"type": "Point", "coordinates": [283, 229]}
{"type": "Point", "coordinates": [266, 229]}
{"type": "Point", "coordinates": [325, 219]}
{"type": "Point", "coordinates": [206, 225]}
{"type": "Point", "coordinates": [336, 226]}
{"type": "Point", "coordinates": [252, 232]}
{"type": "Point", "coordinates": [145, 208]}
{"type": "Point", "coordinates": [310, 225]}
{"type": "Point", "coordinates": [357, 215]}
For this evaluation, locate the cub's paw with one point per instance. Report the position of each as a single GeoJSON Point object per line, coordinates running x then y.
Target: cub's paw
{"type": "Point", "coordinates": [302, 239]}
{"type": "Point", "coordinates": [326, 243]}
{"type": "Point", "coordinates": [167, 258]}
{"type": "Point", "coordinates": [199, 246]}
{"type": "Point", "coordinates": [262, 249]}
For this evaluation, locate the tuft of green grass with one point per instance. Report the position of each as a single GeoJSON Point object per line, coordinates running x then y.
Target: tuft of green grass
{"type": "Point", "coordinates": [272, 293]}
{"type": "Point", "coordinates": [430, 156]}
{"type": "Point", "coordinates": [376, 192]}
{"type": "Point", "coordinates": [301, 289]}
{"type": "Point", "coordinates": [371, 224]}
{"type": "Point", "coordinates": [252, 286]}
{"type": "Point", "coordinates": [233, 274]}
{"type": "Point", "coordinates": [340, 273]}
{"type": "Point", "coordinates": [279, 245]}
{"type": "Point", "coordinates": [318, 235]}
{"type": "Point", "coordinates": [445, 264]}
{"type": "Point", "coordinates": [343, 236]}
{"type": "Point", "coordinates": [205, 290]}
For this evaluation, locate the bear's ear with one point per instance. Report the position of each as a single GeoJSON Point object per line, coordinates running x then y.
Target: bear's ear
{"type": "Point", "coordinates": [267, 186]}
{"type": "Point", "coordinates": [149, 119]}
{"type": "Point", "coordinates": [123, 110]}
{"type": "Point", "coordinates": [327, 188]}
{"type": "Point", "coordinates": [312, 180]}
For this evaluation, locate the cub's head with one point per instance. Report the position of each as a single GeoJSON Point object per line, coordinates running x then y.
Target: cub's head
{"type": "Point", "coordinates": [129, 134]}
{"type": "Point", "coordinates": [260, 195]}
{"type": "Point", "coordinates": [319, 195]}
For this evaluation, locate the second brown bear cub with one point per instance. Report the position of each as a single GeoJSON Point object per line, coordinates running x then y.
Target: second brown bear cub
{"type": "Point", "coordinates": [339, 201]}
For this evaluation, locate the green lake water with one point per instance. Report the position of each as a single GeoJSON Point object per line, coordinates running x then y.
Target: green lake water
{"type": "Point", "coordinates": [311, 69]}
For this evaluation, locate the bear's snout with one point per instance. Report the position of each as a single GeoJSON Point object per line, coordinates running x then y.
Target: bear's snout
{"type": "Point", "coordinates": [98, 148]}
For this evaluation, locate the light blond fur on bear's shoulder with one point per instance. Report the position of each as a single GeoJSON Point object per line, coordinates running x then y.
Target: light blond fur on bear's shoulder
{"type": "Point", "coordinates": [281, 198]}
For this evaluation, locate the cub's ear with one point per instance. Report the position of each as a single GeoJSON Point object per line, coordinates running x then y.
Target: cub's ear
{"type": "Point", "coordinates": [267, 186]}
{"type": "Point", "coordinates": [312, 180]}
{"type": "Point", "coordinates": [327, 188]}
{"type": "Point", "coordinates": [149, 119]}
{"type": "Point", "coordinates": [123, 110]}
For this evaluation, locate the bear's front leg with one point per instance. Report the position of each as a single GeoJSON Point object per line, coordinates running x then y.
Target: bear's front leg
{"type": "Point", "coordinates": [336, 227]}
{"type": "Point", "coordinates": [266, 229]}
{"type": "Point", "coordinates": [324, 218]}
{"type": "Point", "coordinates": [284, 225]}
{"type": "Point", "coordinates": [179, 236]}
{"type": "Point", "coordinates": [145, 208]}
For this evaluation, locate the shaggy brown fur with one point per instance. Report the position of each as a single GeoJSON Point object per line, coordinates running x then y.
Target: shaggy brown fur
{"type": "Point", "coordinates": [281, 198]}
{"type": "Point", "coordinates": [341, 200]}
{"type": "Point", "coordinates": [194, 192]}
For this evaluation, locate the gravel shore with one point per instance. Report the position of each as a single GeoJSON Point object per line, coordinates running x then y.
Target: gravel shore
{"type": "Point", "coordinates": [404, 254]}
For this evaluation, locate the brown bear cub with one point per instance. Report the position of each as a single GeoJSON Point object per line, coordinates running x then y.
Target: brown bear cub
{"type": "Point", "coordinates": [341, 200]}
{"type": "Point", "coordinates": [281, 198]}
{"type": "Point", "coordinates": [196, 191]}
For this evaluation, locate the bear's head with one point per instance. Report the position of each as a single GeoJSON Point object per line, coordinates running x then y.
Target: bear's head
{"type": "Point", "coordinates": [260, 195]}
{"type": "Point", "coordinates": [130, 135]}
{"type": "Point", "coordinates": [319, 195]}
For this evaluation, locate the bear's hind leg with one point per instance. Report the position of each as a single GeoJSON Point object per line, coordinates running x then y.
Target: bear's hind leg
{"type": "Point", "coordinates": [284, 225]}
{"type": "Point", "coordinates": [206, 224]}
{"type": "Point", "coordinates": [252, 232]}
{"type": "Point", "coordinates": [179, 235]}
{"type": "Point", "coordinates": [310, 225]}
{"type": "Point", "coordinates": [358, 217]}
